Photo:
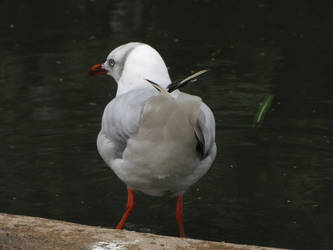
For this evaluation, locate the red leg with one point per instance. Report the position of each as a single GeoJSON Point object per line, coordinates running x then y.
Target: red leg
{"type": "Point", "coordinates": [179, 215]}
{"type": "Point", "coordinates": [129, 208]}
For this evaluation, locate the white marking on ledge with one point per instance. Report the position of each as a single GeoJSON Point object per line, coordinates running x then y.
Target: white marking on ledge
{"type": "Point", "coordinates": [103, 245]}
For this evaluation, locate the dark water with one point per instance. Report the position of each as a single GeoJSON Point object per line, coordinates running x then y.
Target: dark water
{"type": "Point", "coordinates": [269, 186]}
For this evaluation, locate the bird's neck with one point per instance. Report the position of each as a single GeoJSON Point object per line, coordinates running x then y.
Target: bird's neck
{"type": "Point", "coordinates": [126, 84]}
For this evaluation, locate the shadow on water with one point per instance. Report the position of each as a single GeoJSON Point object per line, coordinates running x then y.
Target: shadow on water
{"type": "Point", "coordinates": [268, 186]}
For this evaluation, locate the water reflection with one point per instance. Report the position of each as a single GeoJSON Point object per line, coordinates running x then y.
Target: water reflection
{"type": "Point", "coordinates": [269, 186]}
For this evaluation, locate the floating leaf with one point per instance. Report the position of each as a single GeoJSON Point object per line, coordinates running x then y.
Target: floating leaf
{"type": "Point", "coordinates": [264, 107]}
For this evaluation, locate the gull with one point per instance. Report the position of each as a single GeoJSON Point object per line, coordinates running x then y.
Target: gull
{"type": "Point", "coordinates": [156, 139]}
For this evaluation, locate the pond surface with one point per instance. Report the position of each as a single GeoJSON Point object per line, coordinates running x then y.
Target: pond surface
{"type": "Point", "coordinates": [271, 185]}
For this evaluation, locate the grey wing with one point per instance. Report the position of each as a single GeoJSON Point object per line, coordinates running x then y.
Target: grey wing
{"type": "Point", "coordinates": [121, 118]}
{"type": "Point", "coordinates": [205, 131]}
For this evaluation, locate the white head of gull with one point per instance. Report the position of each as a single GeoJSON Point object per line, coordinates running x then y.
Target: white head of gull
{"type": "Point", "coordinates": [156, 142]}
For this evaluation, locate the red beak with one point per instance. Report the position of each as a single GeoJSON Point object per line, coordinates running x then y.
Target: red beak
{"type": "Point", "coordinates": [96, 70]}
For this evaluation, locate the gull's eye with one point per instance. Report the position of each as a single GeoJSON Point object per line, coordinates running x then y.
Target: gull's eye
{"type": "Point", "coordinates": [111, 62]}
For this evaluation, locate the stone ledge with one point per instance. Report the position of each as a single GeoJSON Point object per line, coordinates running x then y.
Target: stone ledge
{"type": "Point", "coordinates": [23, 232]}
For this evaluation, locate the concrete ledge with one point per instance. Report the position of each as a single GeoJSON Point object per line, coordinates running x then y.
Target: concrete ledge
{"type": "Point", "coordinates": [23, 232]}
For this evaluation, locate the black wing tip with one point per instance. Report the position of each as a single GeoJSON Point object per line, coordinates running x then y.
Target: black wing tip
{"type": "Point", "coordinates": [178, 84]}
{"type": "Point", "coordinates": [154, 84]}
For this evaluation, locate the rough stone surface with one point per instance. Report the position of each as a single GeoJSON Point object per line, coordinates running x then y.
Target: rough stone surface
{"type": "Point", "coordinates": [23, 232]}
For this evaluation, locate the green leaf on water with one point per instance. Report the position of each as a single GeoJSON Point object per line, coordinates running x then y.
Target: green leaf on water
{"type": "Point", "coordinates": [264, 107]}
